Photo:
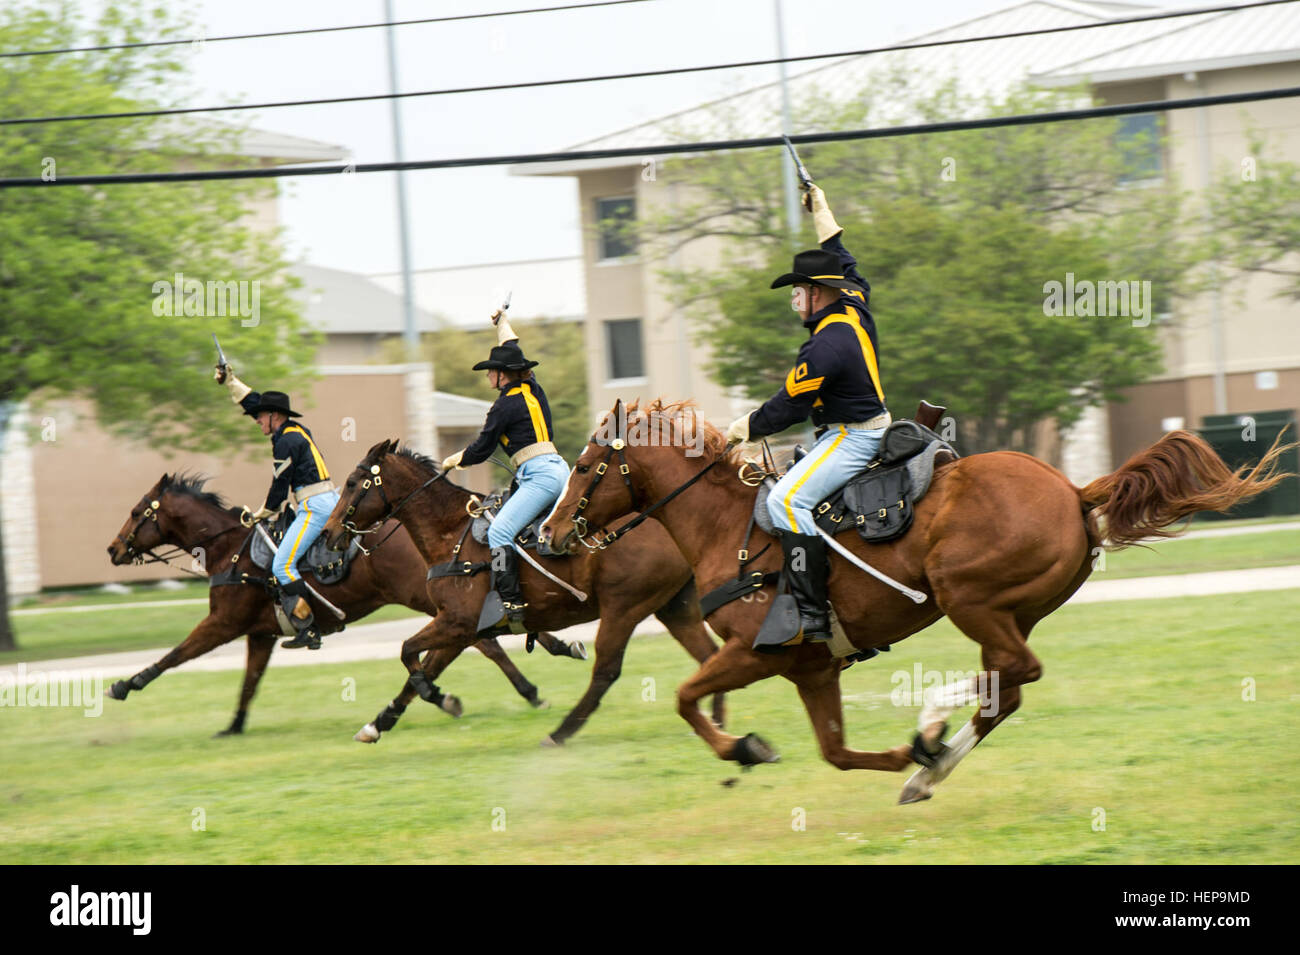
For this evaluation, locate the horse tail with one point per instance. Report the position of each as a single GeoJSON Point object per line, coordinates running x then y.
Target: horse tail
{"type": "Point", "coordinates": [1176, 477]}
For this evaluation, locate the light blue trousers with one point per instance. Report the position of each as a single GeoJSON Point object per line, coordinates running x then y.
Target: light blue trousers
{"type": "Point", "coordinates": [302, 533]}
{"type": "Point", "coordinates": [834, 460]}
{"type": "Point", "coordinates": [541, 480]}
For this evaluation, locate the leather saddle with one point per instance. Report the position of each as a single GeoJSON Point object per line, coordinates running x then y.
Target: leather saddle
{"type": "Point", "coordinates": [529, 538]}
{"type": "Point", "coordinates": [328, 566]}
{"type": "Point", "coordinates": [879, 501]}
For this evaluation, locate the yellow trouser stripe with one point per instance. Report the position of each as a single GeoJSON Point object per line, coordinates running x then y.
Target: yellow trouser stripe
{"type": "Point", "coordinates": [320, 462]}
{"type": "Point", "coordinates": [864, 340]}
{"type": "Point", "coordinates": [789, 497]}
{"type": "Point", "coordinates": [293, 552]}
{"type": "Point", "coordinates": [534, 411]}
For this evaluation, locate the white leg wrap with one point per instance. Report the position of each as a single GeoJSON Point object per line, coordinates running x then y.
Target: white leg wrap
{"type": "Point", "coordinates": [940, 702]}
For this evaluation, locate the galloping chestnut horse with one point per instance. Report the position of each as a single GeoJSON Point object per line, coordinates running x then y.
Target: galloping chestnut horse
{"type": "Point", "coordinates": [999, 542]}
{"type": "Point", "coordinates": [650, 576]}
{"type": "Point", "coordinates": [188, 517]}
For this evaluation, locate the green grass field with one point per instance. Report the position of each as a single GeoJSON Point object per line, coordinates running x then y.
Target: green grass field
{"type": "Point", "coordinates": [1197, 555]}
{"type": "Point", "coordinates": [1139, 714]}
{"type": "Point", "coordinates": [47, 636]}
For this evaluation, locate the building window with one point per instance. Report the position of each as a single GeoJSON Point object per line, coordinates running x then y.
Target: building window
{"type": "Point", "coordinates": [623, 349]}
{"type": "Point", "coordinates": [1138, 140]}
{"type": "Point", "coordinates": [615, 219]}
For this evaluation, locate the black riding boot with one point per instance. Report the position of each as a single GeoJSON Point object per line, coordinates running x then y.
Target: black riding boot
{"type": "Point", "coordinates": [806, 569]}
{"type": "Point", "coordinates": [506, 582]}
{"type": "Point", "coordinates": [294, 601]}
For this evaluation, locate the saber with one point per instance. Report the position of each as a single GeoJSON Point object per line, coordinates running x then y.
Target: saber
{"type": "Point", "coordinates": [314, 592]}
{"type": "Point", "coordinates": [221, 356]}
{"type": "Point", "coordinates": [805, 180]}
{"type": "Point", "coordinates": [542, 570]}
{"type": "Point", "coordinates": [916, 595]}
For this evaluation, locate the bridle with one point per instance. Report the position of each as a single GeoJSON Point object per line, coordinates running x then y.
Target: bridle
{"type": "Point", "coordinates": [376, 481]}
{"type": "Point", "coordinates": [617, 446]}
{"type": "Point", "coordinates": [151, 513]}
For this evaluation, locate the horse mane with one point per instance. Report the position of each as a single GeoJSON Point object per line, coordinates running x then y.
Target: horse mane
{"type": "Point", "coordinates": [192, 485]}
{"type": "Point", "coordinates": [683, 417]}
{"type": "Point", "coordinates": [422, 460]}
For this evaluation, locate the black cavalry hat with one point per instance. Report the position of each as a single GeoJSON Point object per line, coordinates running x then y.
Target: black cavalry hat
{"type": "Point", "coordinates": [507, 357]}
{"type": "Point", "coordinates": [815, 267]}
{"type": "Point", "coordinates": [270, 401]}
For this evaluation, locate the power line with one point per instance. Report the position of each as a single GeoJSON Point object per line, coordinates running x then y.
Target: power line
{"type": "Point", "coordinates": [356, 26]}
{"type": "Point", "coordinates": [640, 74]}
{"type": "Point", "coordinates": [992, 122]}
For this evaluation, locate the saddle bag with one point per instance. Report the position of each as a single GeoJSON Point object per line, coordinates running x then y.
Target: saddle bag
{"type": "Point", "coordinates": [883, 499]}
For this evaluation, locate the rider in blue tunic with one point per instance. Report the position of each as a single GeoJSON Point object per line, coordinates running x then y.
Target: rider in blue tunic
{"type": "Point", "coordinates": [836, 381]}
{"type": "Point", "coordinates": [298, 467]}
{"type": "Point", "coordinates": [520, 422]}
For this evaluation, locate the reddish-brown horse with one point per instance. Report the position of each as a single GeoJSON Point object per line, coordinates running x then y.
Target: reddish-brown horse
{"type": "Point", "coordinates": [189, 518]}
{"type": "Point", "coordinates": [999, 542]}
{"type": "Point", "coordinates": [651, 576]}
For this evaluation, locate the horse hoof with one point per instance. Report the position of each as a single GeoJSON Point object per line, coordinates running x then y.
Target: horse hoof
{"type": "Point", "coordinates": [918, 788]}
{"type": "Point", "coordinates": [452, 705]}
{"type": "Point", "coordinates": [118, 690]}
{"type": "Point", "coordinates": [367, 734]}
{"type": "Point", "coordinates": [540, 704]}
{"type": "Point", "coordinates": [226, 732]}
{"type": "Point", "coordinates": [753, 749]}
{"type": "Point", "coordinates": [550, 742]}
{"type": "Point", "coordinates": [577, 650]}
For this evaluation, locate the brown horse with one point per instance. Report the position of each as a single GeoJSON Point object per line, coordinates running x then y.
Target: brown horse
{"type": "Point", "coordinates": [999, 542]}
{"type": "Point", "coordinates": [189, 518]}
{"type": "Point", "coordinates": [650, 576]}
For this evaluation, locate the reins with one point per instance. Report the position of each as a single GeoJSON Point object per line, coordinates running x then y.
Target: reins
{"type": "Point", "coordinates": [377, 481]}
{"type": "Point", "coordinates": [580, 523]}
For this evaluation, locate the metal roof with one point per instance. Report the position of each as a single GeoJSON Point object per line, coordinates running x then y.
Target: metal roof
{"type": "Point", "coordinates": [464, 296]}
{"type": "Point", "coordinates": [990, 67]}
{"type": "Point", "coordinates": [1214, 41]}
{"type": "Point", "coordinates": [347, 303]}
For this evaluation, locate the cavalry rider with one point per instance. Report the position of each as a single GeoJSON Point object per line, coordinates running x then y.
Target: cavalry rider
{"type": "Point", "coordinates": [836, 379]}
{"type": "Point", "coordinates": [298, 466]}
{"type": "Point", "coordinates": [520, 421]}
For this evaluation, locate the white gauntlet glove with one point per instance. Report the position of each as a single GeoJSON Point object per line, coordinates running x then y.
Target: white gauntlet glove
{"type": "Point", "coordinates": [814, 201]}
{"type": "Point", "coordinates": [504, 332]}
{"type": "Point", "coordinates": [738, 431]}
{"type": "Point", "coordinates": [453, 462]}
{"type": "Point", "coordinates": [225, 375]}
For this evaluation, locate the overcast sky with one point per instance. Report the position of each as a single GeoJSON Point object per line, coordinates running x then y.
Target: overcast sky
{"type": "Point", "coordinates": [463, 217]}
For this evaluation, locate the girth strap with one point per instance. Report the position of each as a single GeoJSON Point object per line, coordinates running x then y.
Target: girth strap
{"type": "Point", "coordinates": [735, 589]}
{"type": "Point", "coordinates": [457, 568]}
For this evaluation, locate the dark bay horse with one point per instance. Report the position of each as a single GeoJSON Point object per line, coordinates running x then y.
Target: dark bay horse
{"type": "Point", "coordinates": [648, 576]}
{"type": "Point", "coordinates": [188, 517]}
{"type": "Point", "coordinates": [999, 542]}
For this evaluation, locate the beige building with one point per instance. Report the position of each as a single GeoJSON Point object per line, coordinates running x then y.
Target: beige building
{"type": "Point", "coordinates": [1223, 353]}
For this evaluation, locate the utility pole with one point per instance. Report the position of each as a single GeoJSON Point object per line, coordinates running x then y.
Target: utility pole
{"type": "Point", "coordinates": [787, 163]}
{"type": "Point", "coordinates": [411, 334]}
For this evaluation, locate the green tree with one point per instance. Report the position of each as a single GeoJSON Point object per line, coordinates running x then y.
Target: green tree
{"type": "Point", "coordinates": [557, 345]}
{"type": "Point", "coordinates": [958, 234]}
{"type": "Point", "coordinates": [1254, 216]}
{"type": "Point", "coordinates": [85, 273]}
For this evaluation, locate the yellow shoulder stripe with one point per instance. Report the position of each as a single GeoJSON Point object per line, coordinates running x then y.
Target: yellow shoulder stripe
{"type": "Point", "coordinates": [320, 462]}
{"type": "Point", "coordinates": [534, 411]}
{"type": "Point", "coordinates": [864, 341]}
